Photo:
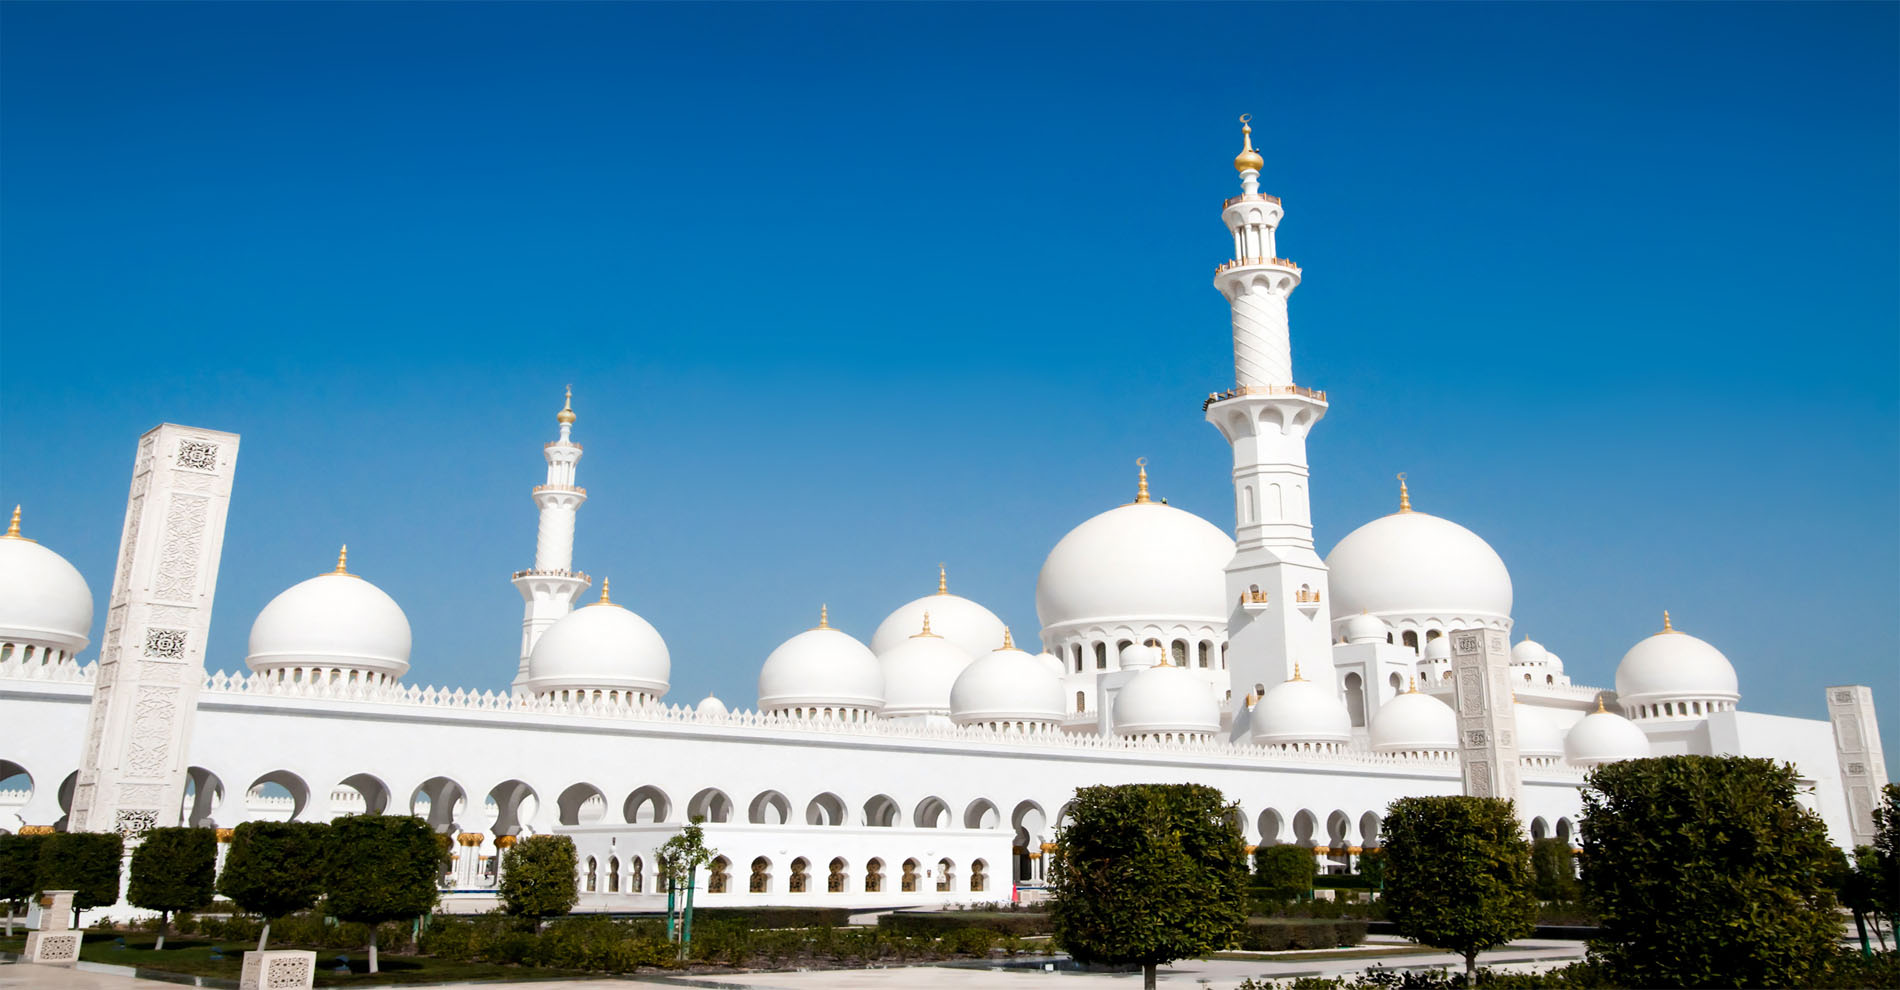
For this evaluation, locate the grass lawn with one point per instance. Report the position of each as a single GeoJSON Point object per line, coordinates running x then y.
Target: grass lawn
{"type": "Point", "coordinates": [192, 956]}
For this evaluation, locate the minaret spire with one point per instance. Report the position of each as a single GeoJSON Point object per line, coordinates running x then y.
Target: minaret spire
{"type": "Point", "coordinates": [551, 586]}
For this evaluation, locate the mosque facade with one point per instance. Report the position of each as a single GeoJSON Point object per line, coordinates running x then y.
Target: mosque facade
{"type": "Point", "coordinates": [934, 763]}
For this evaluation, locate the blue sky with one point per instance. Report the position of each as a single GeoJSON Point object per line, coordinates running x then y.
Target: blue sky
{"type": "Point", "coordinates": [848, 290]}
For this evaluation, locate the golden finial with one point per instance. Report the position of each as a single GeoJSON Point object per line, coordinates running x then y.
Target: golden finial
{"type": "Point", "coordinates": [824, 616]}
{"type": "Point", "coordinates": [343, 559]}
{"type": "Point", "coordinates": [1007, 645]}
{"type": "Point", "coordinates": [926, 630]}
{"type": "Point", "coordinates": [1296, 673]}
{"type": "Point", "coordinates": [1599, 704]}
{"type": "Point", "coordinates": [605, 599]}
{"type": "Point", "coordinates": [566, 416]}
{"type": "Point", "coordinates": [1411, 685]}
{"type": "Point", "coordinates": [943, 580]}
{"type": "Point", "coordinates": [1405, 496]}
{"type": "Point", "coordinates": [1141, 486]}
{"type": "Point", "coordinates": [1248, 158]}
{"type": "Point", "coordinates": [13, 528]}
{"type": "Point", "coordinates": [1666, 626]}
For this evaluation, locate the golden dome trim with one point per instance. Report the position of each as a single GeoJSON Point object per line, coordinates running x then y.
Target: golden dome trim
{"type": "Point", "coordinates": [566, 416]}
{"type": "Point", "coordinates": [1405, 495]}
{"type": "Point", "coordinates": [1248, 158]}
{"type": "Point", "coordinates": [13, 529]}
{"type": "Point", "coordinates": [926, 633]}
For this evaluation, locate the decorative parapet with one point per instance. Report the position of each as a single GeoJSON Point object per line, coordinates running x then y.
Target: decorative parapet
{"type": "Point", "coordinates": [1239, 390]}
{"type": "Point", "coordinates": [1250, 198]}
{"type": "Point", "coordinates": [66, 671]}
{"type": "Point", "coordinates": [1251, 262]}
{"type": "Point", "coordinates": [582, 575]}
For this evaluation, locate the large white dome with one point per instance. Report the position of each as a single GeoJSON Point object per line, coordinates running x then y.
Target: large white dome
{"type": "Point", "coordinates": [1007, 685]}
{"type": "Point", "coordinates": [1165, 699]}
{"type": "Point", "coordinates": [1414, 722]}
{"type": "Point", "coordinates": [1301, 711]}
{"type": "Point", "coordinates": [336, 621]}
{"type": "Point", "coordinates": [1671, 666]}
{"type": "Point", "coordinates": [968, 626]}
{"type": "Point", "coordinates": [44, 601]}
{"type": "Point", "coordinates": [601, 647]}
{"type": "Point", "coordinates": [919, 673]}
{"type": "Point", "coordinates": [1416, 564]}
{"type": "Point", "coordinates": [821, 668]}
{"type": "Point", "coordinates": [1604, 737]}
{"type": "Point", "coordinates": [1144, 560]}
{"type": "Point", "coordinates": [1537, 732]}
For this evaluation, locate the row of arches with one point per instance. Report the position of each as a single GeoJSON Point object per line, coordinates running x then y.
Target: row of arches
{"type": "Point", "coordinates": [1181, 653]}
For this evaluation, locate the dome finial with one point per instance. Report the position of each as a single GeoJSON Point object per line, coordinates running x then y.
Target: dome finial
{"type": "Point", "coordinates": [1296, 673]}
{"type": "Point", "coordinates": [566, 416]}
{"type": "Point", "coordinates": [824, 616]}
{"type": "Point", "coordinates": [1666, 626]}
{"type": "Point", "coordinates": [343, 559]}
{"type": "Point", "coordinates": [1405, 495]}
{"type": "Point", "coordinates": [1007, 644]}
{"type": "Point", "coordinates": [926, 630]}
{"type": "Point", "coordinates": [1411, 685]}
{"type": "Point", "coordinates": [1599, 704]}
{"type": "Point", "coordinates": [943, 580]}
{"type": "Point", "coordinates": [1141, 485]}
{"type": "Point", "coordinates": [1248, 158]}
{"type": "Point", "coordinates": [13, 528]}
{"type": "Point", "coordinates": [605, 599]}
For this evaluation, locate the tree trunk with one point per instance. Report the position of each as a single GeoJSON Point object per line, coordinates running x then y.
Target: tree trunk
{"type": "Point", "coordinates": [1471, 968]}
{"type": "Point", "coordinates": [1148, 976]}
{"type": "Point", "coordinates": [263, 937]}
{"type": "Point", "coordinates": [164, 922]}
{"type": "Point", "coordinates": [76, 910]}
{"type": "Point", "coordinates": [372, 950]}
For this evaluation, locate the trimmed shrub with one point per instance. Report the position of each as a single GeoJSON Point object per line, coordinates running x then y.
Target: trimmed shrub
{"type": "Point", "coordinates": [1284, 872]}
{"type": "Point", "coordinates": [1017, 923]}
{"type": "Point", "coordinates": [86, 862]}
{"type": "Point", "coordinates": [1277, 934]}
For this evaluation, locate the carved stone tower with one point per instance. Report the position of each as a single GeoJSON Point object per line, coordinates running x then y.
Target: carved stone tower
{"type": "Point", "coordinates": [1487, 728]}
{"type": "Point", "coordinates": [151, 661]}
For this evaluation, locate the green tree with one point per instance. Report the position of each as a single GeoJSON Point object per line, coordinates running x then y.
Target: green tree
{"type": "Point", "coordinates": [1554, 866]}
{"type": "Point", "coordinates": [275, 868]}
{"type": "Point", "coordinates": [1886, 865]}
{"type": "Point", "coordinates": [680, 858]}
{"type": "Point", "coordinates": [1147, 874]}
{"type": "Point", "coordinates": [173, 869]}
{"type": "Point", "coordinates": [538, 877]}
{"type": "Point", "coordinates": [1284, 872]}
{"type": "Point", "coordinates": [1706, 871]}
{"type": "Point", "coordinates": [382, 868]}
{"type": "Point", "coordinates": [19, 872]}
{"type": "Point", "coordinates": [84, 862]}
{"type": "Point", "coordinates": [1458, 874]}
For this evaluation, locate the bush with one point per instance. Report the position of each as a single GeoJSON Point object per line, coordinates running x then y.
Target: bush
{"type": "Point", "coordinates": [1284, 872]}
{"type": "Point", "coordinates": [774, 917]}
{"type": "Point", "coordinates": [173, 870]}
{"type": "Point", "coordinates": [1276, 934]}
{"type": "Point", "coordinates": [1458, 874]}
{"type": "Point", "coordinates": [274, 869]}
{"type": "Point", "coordinates": [382, 868]}
{"type": "Point", "coordinates": [539, 877]}
{"type": "Point", "coordinates": [1554, 870]}
{"type": "Point", "coordinates": [1017, 923]}
{"type": "Point", "coordinates": [85, 862]}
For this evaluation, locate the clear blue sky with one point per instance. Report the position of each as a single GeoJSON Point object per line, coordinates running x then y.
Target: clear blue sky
{"type": "Point", "coordinates": [848, 290]}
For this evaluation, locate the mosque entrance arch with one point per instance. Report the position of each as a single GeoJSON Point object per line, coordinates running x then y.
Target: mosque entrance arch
{"type": "Point", "coordinates": [440, 802]}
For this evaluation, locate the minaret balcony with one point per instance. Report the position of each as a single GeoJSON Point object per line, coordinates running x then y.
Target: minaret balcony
{"type": "Point", "coordinates": [1227, 266]}
{"type": "Point", "coordinates": [1239, 390]}
{"type": "Point", "coordinates": [577, 575]}
{"type": "Point", "coordinates": [565, 489]}
{"type": "Point", "coordinates": [1255, 600]}
{"type": "Point", "coordinates": [1251, 198]}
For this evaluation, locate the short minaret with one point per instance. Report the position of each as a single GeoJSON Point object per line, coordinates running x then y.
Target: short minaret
{"type": "Point", "coordinates": [1276, 583]}
{"type": "Point", "coordinates": [552, 585]}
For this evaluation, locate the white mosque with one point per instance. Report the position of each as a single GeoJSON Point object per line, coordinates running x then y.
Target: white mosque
{"type": "Point", "coordinates": [931, 764]}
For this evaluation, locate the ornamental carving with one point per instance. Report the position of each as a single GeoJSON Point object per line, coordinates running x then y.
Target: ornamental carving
{"type": "Point", "coordinates": [165, 644]}
{"type": "Point", "coordinates": [138, 794]}
{"type": "Point", "coordinates": [198, 455]}
{"type": "Point", "coordinates": [122, 582]}
{"type": "Point", "coordinates": [134, 822]}
{"type": "Point", "coordinates": [1844, 696]}
{"type": "Point", "coordinates": [1468, 643]}
{"type": "Point", "coordinates": [151, 732]}
{"type": "Point", "coordinates": [176, 578]}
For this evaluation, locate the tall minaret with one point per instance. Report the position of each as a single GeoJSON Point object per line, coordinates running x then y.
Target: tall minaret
{"type": "Point", "coordinates": [551, 587]}
{"type": "Point", "coordinates": [1276, 583]}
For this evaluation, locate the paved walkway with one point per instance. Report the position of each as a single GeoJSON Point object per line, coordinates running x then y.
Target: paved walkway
{"type": "Point", "coordinates": [1212, 974]}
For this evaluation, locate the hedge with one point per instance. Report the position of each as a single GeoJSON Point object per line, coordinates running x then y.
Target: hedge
{"type": "Point", "coordinates": [1275, 934]}
{"type": "Point", "coordinates": [1018, 923]}
{"type": "Point", "coordinates": [776, 917]}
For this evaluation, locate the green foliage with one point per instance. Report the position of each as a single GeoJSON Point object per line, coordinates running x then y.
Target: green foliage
{"type": "Point", "coordinates": [1706, 871]}
{"type": "Point", "coordinates": [19, 869]}
{"type": "Point", "coordinates": [1886, 864]}
{"type": "Point", "coordinates": [381, 868]}
{"type": "Point", "coordinates": [1284, 872]}
{"type": "Point", "coordinates": [1458, 873]}
{"type": "Point", "coordinates": [173, 869]}
{"type": "Point", "coordinates": [538, 876]}
{"type": "Point", "coordinates": [1372, 867]}
{"type": "Point", "coordinates": [1148, 873]}
{"type": "Point", "coordinates": [275, 868]}
{"type": "Point", "coordinates": [86, 862]}
{"type": "Point", "coordinates": [1276, 934]}
{"type": "Point", "coordinates": [1555, 869]}
{"type": "Point", "coordinates": [778, 917]}
{"type": "Point", "coordinates": [944, 922]}
{"type": "Point", "coordinates": [684, 853]}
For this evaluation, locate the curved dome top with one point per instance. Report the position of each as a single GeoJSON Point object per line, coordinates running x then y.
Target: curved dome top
{"type": "Point", "coordinates": [711, 707]}
{"type": "Point", "coordinates": [1142, 561]}
{"type": "Point", "coordinates": [1537, 732]}
{"type": "Point", "coordinates": [1301, 711]}
{"type": "Point", "coordinates": [1413, 562]}
{"type": "Point", "coordinates": [1438, 648]}
{"type": "Point", "coordinates": [1604, 737]}
{"type": "Point", "coordinates": [919, 673]}
{"type": "Point", "coordinates": [1366, 628]}
{"type": "Point", "coordinates": [1165, 699]}
{"type": "Point", "coordinates": [1672, 664]}
{"type": "Point", "coordinates": [600, 647]}
{"type": "Point", "coordinates": [1413, 722]}
{"type": "Point", "coordinates": [332, 620]}
{"type": "Point", "coordinates": [1529, 651]}
{"type": "Point", "coordinates": [43, 599]}
{"type": "Point", "coordinates": [968, 626]}
{"type": "Point", "coordinates": [1007, 685]}
{"type": "Point", "coordinates": [821, 667]}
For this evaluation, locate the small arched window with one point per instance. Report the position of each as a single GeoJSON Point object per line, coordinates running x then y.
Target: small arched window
{"type": "Point", "coordinates": [1081, 701]}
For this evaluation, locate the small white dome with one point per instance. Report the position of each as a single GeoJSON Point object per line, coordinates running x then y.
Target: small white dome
{"type": "Point", "coordinates": [1007, 685]}
{"type": "Point", "coordinates": [1141, 561]}
{"type": "Point", "coordinates": [1414, 563]}
{"type": "Point", "coordinates": [43, 599]}
{"type": "Point", "coordinates": [1301, 711]}
{"type": "Point", "coordinates": [968, 626]}
{"type": "Point", "coordinates": [1137, 656]}
{"type": "Point", "coordinates": [711, 707]}
{"type": "Point", "coordinates": [601, 647]}
{"type": "Point", "coordinates": [1366, 628]}
{"type": "Point", "coordinates": [1554, 662]}
{"type": "Point", "coordinates": [919, 673]}
{"type": "Point", "coordinates": [1604, 737]}
{"type": "Point", "coordinates": [1537, 732]}
{"type": "Point", "coordinates": [1053, 662]}
{"type": "Point", "coordinates": [1165, 699]}
{"type": "Point", "coordinates": [821, 667]}
{"type": "Point", "coordinates": [1438, 648]}
{"type": "Point", "coordinates": [1413, 722]}
{"type": "Point", "coordinates": [1529, 652]}
{"type": "Point", "coordinates": [1672, 665]}
{"type": "Point", "coordinates": [336, 620]}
